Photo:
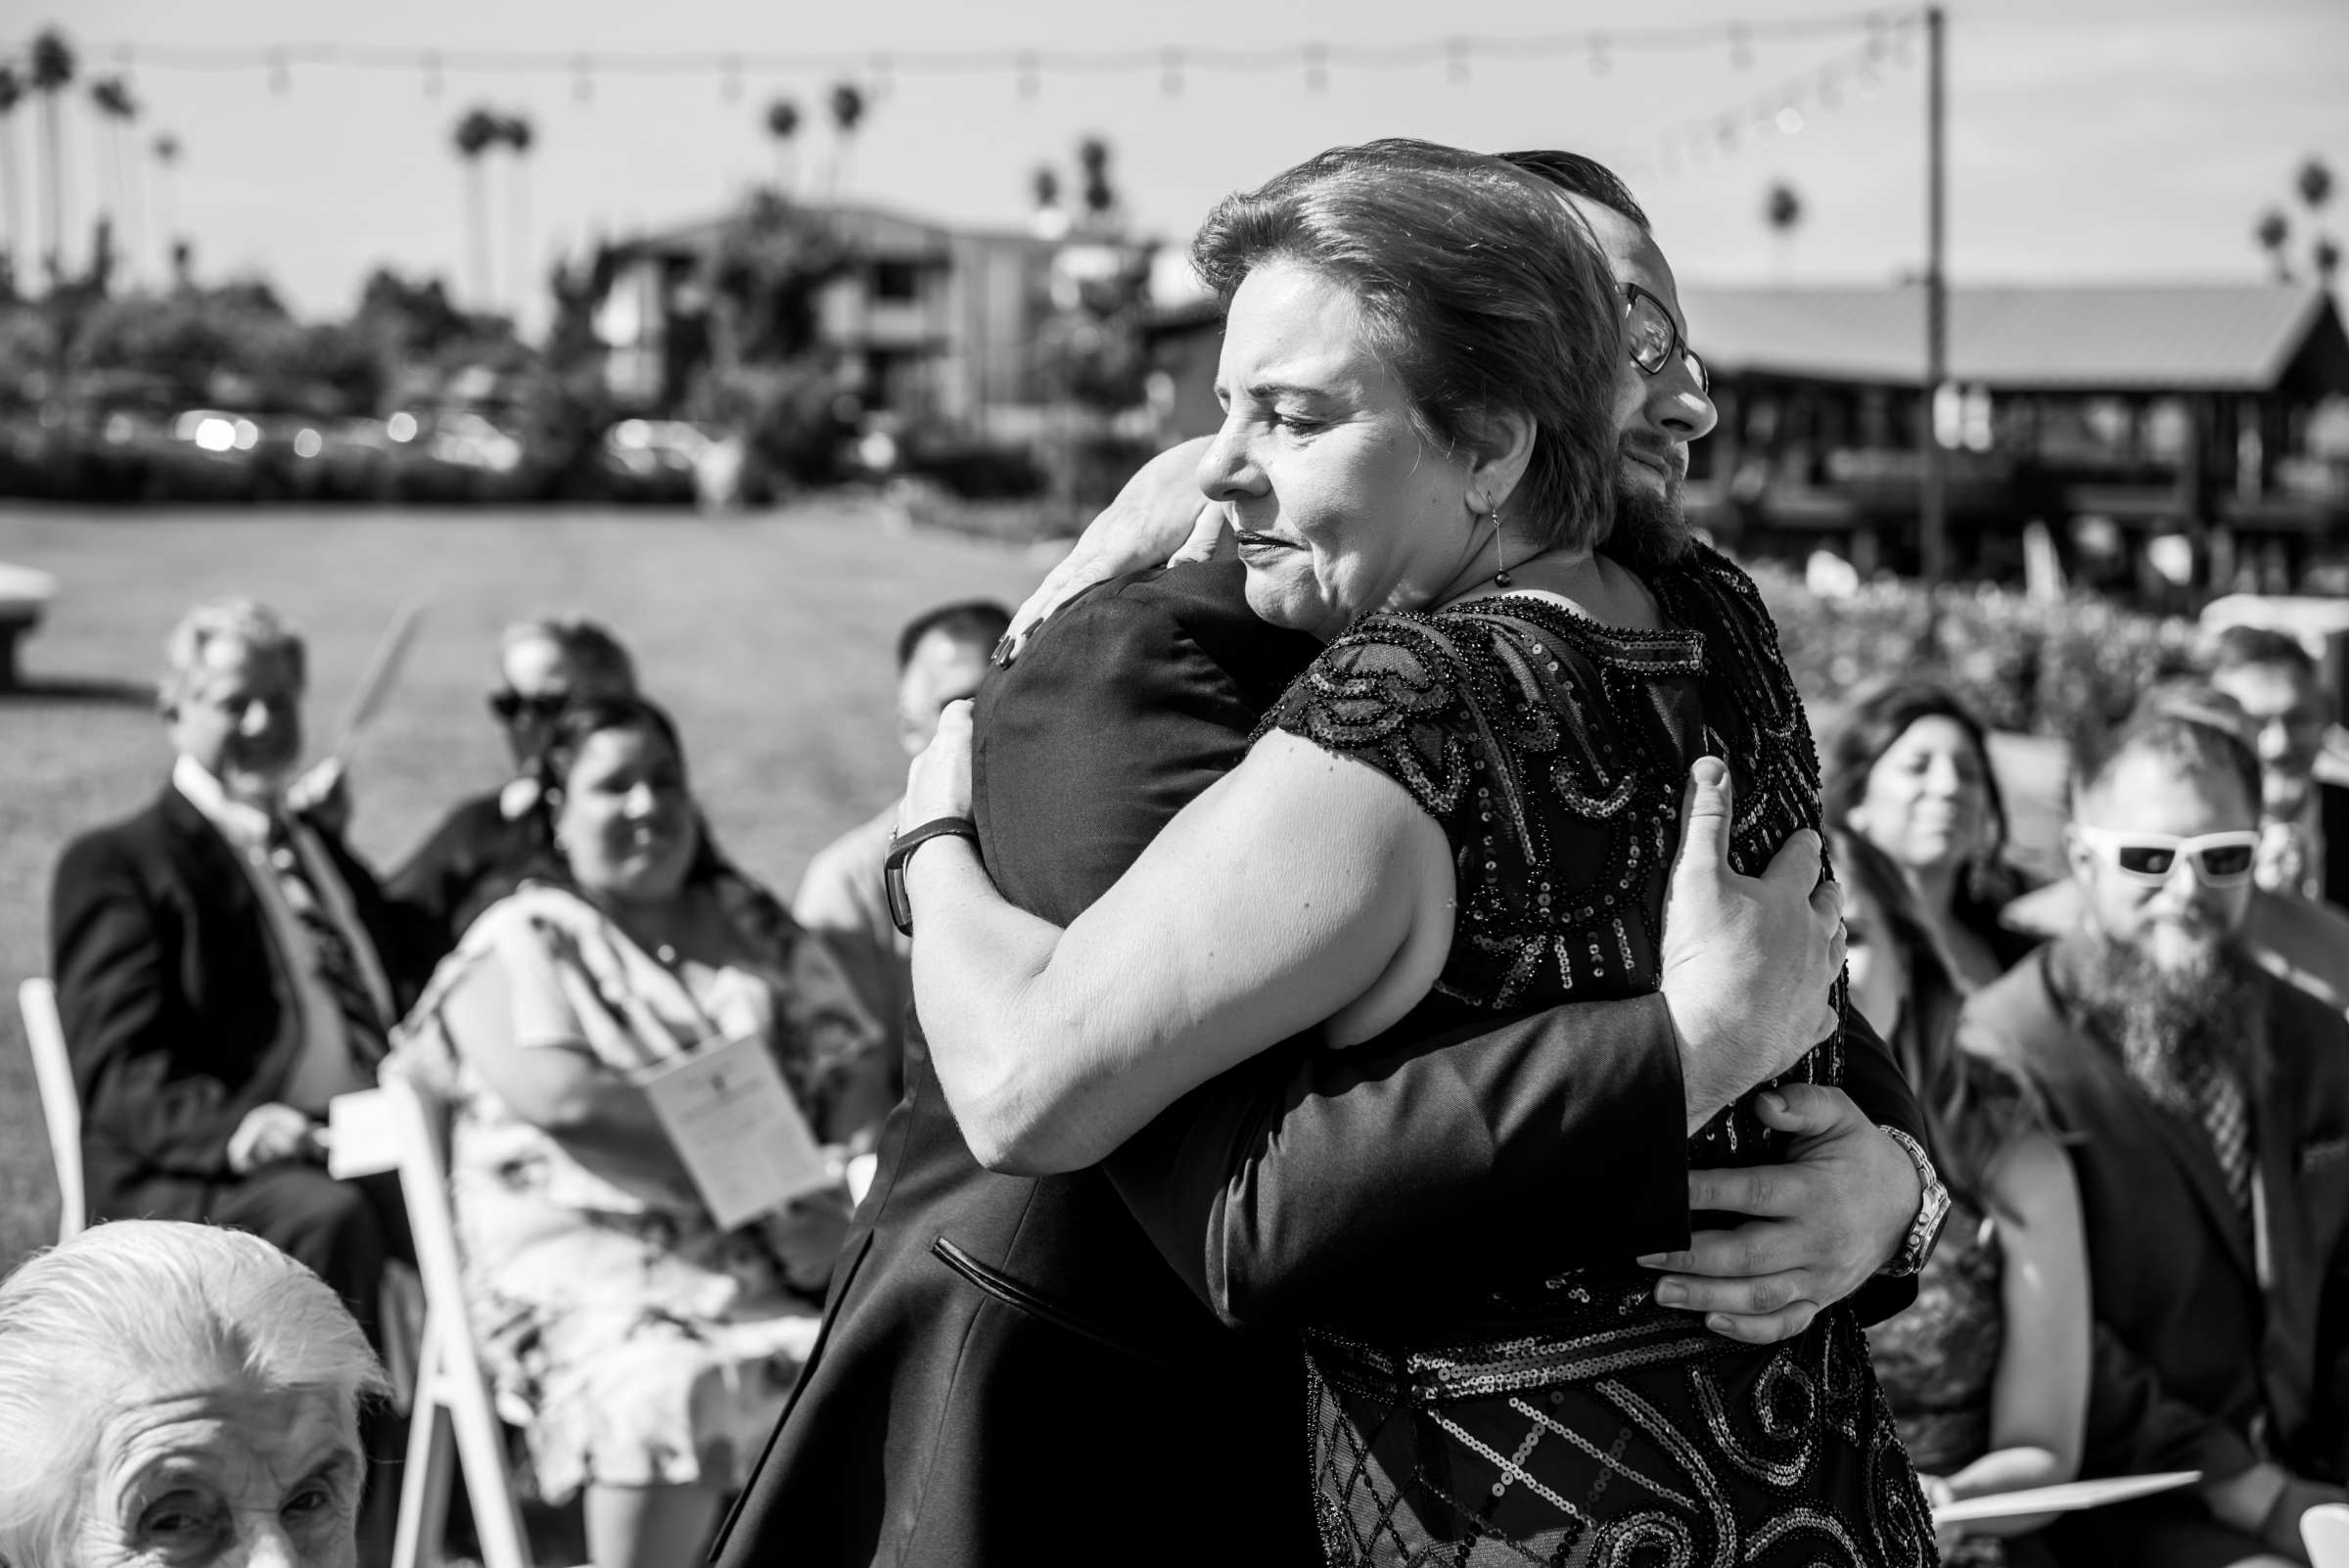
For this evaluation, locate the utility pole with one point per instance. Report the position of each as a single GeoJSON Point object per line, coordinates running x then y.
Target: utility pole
{"type": "Point", "coordinates": [1932, 526]}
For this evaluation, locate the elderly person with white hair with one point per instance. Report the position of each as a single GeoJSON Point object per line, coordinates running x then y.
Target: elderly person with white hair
{"type": "Point", "coordinates": [179, 1394]}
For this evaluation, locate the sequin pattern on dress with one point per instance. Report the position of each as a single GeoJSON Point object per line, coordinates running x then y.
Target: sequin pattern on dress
{"type": "Point", "coordinates": [1572, 1419]}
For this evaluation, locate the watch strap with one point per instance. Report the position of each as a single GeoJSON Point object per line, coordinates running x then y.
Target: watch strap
{"type": "Point", "coordinates": [900, 850]}
{"type": "Point", "coordinates": [1932, 1208]}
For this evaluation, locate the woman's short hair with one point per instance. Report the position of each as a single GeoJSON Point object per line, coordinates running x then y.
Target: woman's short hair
{"type": "Point", "coordinates": [1878, 718]}
{"type": "Point", "coordinates": [124, 1303]}
{"type": "Point", "coordinates": [1481, 289]}
{"type": "Point", "coordinates": [248, 623]}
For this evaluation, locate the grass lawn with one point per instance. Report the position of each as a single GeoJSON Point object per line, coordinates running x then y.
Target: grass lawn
{"type": "Point", "coordinates": [770, 638]}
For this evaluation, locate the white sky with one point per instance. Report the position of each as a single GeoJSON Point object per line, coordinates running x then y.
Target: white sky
{"type": "Point", "coordinates": [2089, 138]}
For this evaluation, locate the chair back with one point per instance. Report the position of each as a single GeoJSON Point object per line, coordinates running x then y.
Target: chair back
{"type": "Point", "coordinates": [2324, 1531]}
{"type": "Point", "coordinates": [61, 1101]}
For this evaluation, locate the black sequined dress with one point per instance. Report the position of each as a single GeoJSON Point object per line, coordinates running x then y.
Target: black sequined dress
{"type": "Point", "coordinates": [1571, 1421]}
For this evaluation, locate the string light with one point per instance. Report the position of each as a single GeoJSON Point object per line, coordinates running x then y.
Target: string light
{"type": "Point", "coordinates": [729, 80]}
{"type": "Point", "coordinates": [1170, 72]}
{"type": "Point", "coordinates": [433, 82]}
{"type": "Point", "coordinates": [583, 80]}
{"type": "Point", "coordinates": [1600, 65]}
{"type": "Point", "coordinates": [1456, 62]}
{"type": "Point", "coordinates": [1316, 68]}
{"type": "Point", "coordinates": [281, 73]}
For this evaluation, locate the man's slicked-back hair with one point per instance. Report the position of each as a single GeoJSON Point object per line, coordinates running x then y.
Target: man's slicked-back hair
{"type": "Point", "coordinates": [1478, 289]}
{"type": "Point", "coordinates": [130, 1305]}
{"type": "Point", "coordinates": [2190, 738]}
{"type": "Point", "coordinates": [970, 623]}
{"type": "Point", "coordinates": [2253, 647]}
{"type": "Point", "coordinates": [248, 623]}
{"type": "Point", "coordinates": [1586, 177]}
{"type": "Point", "coordinates": [587, 646]}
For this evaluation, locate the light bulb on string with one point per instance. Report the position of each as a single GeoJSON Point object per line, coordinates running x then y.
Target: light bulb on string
{"type": "Point", "coordinates": [1742, 47]}
{"type": "Point", "coordinates": [1316, 68]}
{"type": "Point", "coordinates": [583, 80]}
{"type": "Point", "coordinates": [1024, 74]}
{"type": "Point", "coordinates": [281, 73]}
{"type": "Point", "coordinates": [1830, 88]}
{"type": "Point", "coordinates": [883, 71]}
{"type": "Point", "coordinates": [433, 78]}
{"type": "Point", "coordinates": [1788, 119]}
{"type": "Point", "coordinates": [730, 78]}
{"type": "Point", "coordinates": [1170, 72]}
{"type": "Point", "coordinates": [1600, 63]}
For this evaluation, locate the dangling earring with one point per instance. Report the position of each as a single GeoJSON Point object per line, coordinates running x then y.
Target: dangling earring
{"type": "Point", "coordinates": [1500, 578]}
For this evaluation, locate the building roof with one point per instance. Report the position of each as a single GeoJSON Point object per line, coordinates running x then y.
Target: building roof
{"type": "Point", "coordinates": [2094, 338]}
{"type": "Point", "coordinates": [877, 229]}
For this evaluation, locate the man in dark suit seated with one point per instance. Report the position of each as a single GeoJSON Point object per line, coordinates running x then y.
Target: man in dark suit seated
{"type": "Point", "coordinates": [224, 968]}
{"type": "Point", "coordinates": [485, 845]}
{"type": "Point", "coordinates": [2208, 1105]}
{"type": "Point", "coordinates": [2306, 816]}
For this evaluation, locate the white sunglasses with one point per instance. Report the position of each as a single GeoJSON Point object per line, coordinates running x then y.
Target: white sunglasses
{"type": "Point", "coordinates": [2221, 859]}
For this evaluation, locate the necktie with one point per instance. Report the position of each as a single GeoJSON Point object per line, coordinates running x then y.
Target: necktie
{"type": "Point", "coordinates": [2227, 1117]}
{"type": "Point", "coordinates": [336, 966]}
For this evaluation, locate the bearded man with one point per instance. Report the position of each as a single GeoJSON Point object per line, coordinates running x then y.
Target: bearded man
{"type": "Point", "coordinates": [2208, 1106]}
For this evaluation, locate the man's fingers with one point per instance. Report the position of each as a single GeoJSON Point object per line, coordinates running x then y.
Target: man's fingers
{"type": "Point", "coordinates": [1205, 535]}
{"type": "Point", "coordinates": [1746, 1297]}
{"type": "Point", "coordinates": [1796, 865]}
{"type": "Point", "coordinates": [1764, 1328]}
{"type": "Point", "coordinates": [1705, 816]}
{"type": "Point", "coordinates": [1745, 1253]}
{"type": "Point", "coordinates": [1770, 1190]}
{"type": "Point", "coordinates": [1807, 1108]}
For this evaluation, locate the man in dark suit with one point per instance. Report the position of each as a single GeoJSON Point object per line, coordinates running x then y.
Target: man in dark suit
{"type": "Point", "coordinates": [485, 846]}
{"type": "Point", "coordinates": [224, 968]}
{"type": "Point", "coordinates": [2208, 1105]}
{"type": "Point", "coordinates": [2305, 815]}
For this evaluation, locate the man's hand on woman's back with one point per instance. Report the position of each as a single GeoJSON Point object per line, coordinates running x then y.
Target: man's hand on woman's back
{"type": "Point", "coordinates": [1749, 963]}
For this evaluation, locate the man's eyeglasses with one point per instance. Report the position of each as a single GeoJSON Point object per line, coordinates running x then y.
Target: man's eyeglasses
{"type": "Point", "coordinates": [510, 706]}
{"type": "Point", "coordinates": [2221, 859]}
{"type": "Point", "coordinates": [1649, 333]}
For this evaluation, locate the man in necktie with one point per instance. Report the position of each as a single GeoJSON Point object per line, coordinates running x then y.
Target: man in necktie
{"type": "Point", "coordinates": [2207, 1105]}
{"type": "Point", "coordinates": [225, 968]}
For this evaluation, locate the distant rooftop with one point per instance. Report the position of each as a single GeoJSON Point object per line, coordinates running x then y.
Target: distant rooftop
{"type": "Point", "coordinates": [2113, 338]}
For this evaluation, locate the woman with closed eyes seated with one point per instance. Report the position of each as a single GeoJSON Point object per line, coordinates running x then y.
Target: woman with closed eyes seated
{"type": "Point", "coordinates": [1468, 803]}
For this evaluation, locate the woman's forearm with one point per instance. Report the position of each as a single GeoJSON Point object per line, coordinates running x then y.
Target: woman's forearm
{"type": "Point", "coordinates": [1016, 1075]}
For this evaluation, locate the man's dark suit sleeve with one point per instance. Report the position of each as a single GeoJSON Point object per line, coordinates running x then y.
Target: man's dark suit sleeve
{"type": "Point", "coordinates": [112, 993]}
{"type": "Point", "coordinates": [2135, 1425]}
{"type": "Point", "coordinates": [1293, 1184]}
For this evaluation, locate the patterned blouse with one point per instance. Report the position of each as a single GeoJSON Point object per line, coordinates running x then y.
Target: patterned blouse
{"type": "Point", "coordinates": [1573, 1419]}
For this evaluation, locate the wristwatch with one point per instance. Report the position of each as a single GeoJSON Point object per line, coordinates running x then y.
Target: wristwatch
{"type": "Point", "coordinates": [900, 850]}
{"type": "Point", "coordinates": [1931, 1210]}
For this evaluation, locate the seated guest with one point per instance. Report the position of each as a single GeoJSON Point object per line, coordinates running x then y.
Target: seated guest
{"type": "Point", "coordinates": [483, 849]}
{"type": "Point", "coordinates": [179, 1394]}
{"type": "Point", "coordinates": [224, 968]}
{"type": "Point", "coordinates": [2300, 940]}
{"type": "Point", "coordinates": [653, 1350]}
{"type": "Point", "coordinates": [942, 657]}
{"type": "Point", "coordinates": [1987, 1374]}
{"type": "Point", "coordinates": [2207, 1110]}
{"type": "Point", "coordinates": [2270, 676]}
{"type": "Point", "coordinates": [1909, 770]}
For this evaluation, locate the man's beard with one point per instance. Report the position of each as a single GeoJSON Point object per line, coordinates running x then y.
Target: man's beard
{"type": "Point", "coordinates": [1649, 531]}
{"type": "Point", "coordinates": [2175, 1025]}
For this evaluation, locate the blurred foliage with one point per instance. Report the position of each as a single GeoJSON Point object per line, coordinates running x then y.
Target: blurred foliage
{"type": "Point", "coordinates": [2036, 667]}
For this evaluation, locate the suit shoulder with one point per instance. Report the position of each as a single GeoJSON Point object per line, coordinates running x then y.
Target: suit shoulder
{"type": "Point", "coordinates": [127, 842]}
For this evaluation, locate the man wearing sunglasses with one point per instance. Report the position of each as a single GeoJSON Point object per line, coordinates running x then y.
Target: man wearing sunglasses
{"type": "Point", "coordinates": [2207, 1107]}
{"type": "Point", "coordinates": [486, 843]}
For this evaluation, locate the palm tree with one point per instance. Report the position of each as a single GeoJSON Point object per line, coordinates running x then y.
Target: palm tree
{"type": "Point", "coordinates": [782, 125]}
{"type": "Point", "coordinates": [52, 74]}
{"type": "Point", "coordinates": [2327, 256]}
{"type": "Point", "coordinates": [847, 113]}
{"type": "Point", "coordinates": [2273, 231]}
{"type": "Point", "coordinates": [12, 93]}
{"type": "Point", "coordinates": [1100, 196]}
{"type": "Point", "coordinates": [516, 132]}
{"type": "Point", "coordinates": [474, 135]}
{"type": "Point", "coordinates": [115, 109]}
{"type": "Point", "coordinates": [1783, 210]}
{"type": "Point", "coordinates": [2314, 181]}
{"type": "Point", "coordinates": [165, 148]}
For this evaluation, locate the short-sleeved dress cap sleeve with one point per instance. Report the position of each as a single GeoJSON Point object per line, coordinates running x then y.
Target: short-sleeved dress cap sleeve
{"type": "Point", "coordinates": [1390, 692]}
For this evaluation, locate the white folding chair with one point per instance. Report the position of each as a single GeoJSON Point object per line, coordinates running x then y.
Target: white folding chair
{"type": "Point", "coordinates": [2324, 1531]}
{"type": "Point", "coordinates": [61, 1102]}
{"type": "Point", "coordinates": [454, 1425]}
